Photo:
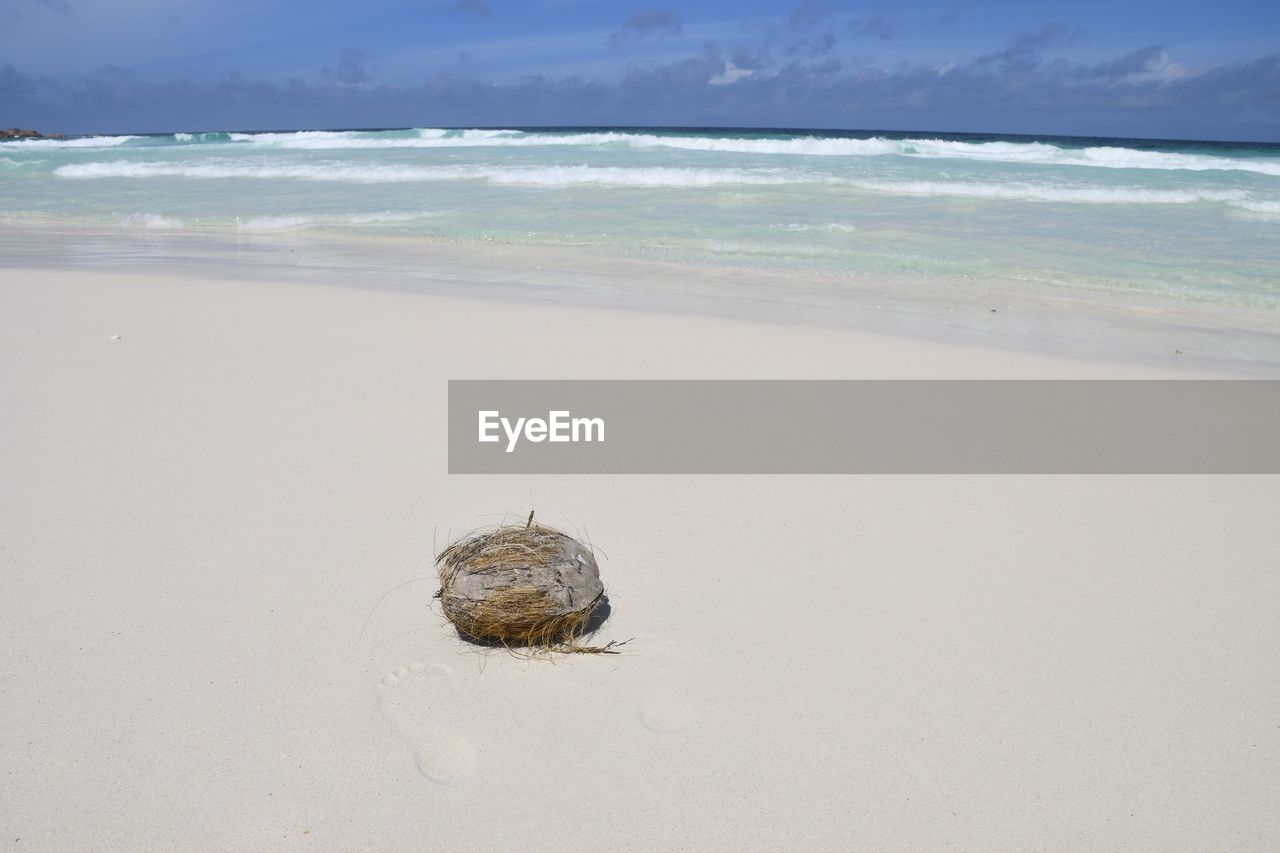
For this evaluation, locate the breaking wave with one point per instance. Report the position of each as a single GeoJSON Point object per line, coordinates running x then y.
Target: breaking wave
{"type": "Point", "coordinates": [1021, 153]}
{"type": "Point", "coordinates": [210, 136]}
{"type": "Point", "coordinates": [1033, 153]}
{"type": "Point", "coordinates": [79, 142]}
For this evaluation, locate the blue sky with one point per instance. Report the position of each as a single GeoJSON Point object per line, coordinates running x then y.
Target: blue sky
{"type": "Point", "coordinates": [1121, 67]}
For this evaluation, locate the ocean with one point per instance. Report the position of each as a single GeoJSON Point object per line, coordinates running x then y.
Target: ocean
{"type": "Point", "coordinates": [947, 218]}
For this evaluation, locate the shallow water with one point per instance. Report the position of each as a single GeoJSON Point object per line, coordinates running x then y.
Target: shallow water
{"type": "Point", "coordinates": [830, 220]}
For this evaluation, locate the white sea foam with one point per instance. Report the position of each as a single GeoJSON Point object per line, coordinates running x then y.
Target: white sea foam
{"type": "Point", "coordinates": [151, 220]}
{"type": "Point", "coordinates": [274, 223]}
{"type": "Point", "coordinates": [644, 177]}
{"type": "Point", "coordinates": [554, 176]}
{"type": "Point", "coordinates": [1267, 208]}
{"type": "Point", "coordinates": [293, 223]}
{"type": "Point", "coordinates": [1027, 153]}
{"type": "Point", "coordinates": [839, 227]}
{"type": "Point", "coordinates": [1100, 157]}
{"type": "Point", "coordinates": [82, 142]}
{"type": "Point", "coordinates": [390, 217]}
{"type": "Point", "coordinates": [287, 222]}
{"type": "Point", "coordinates": [1031, 153]}
{"type": "Point", "coordinates": [1048, 193]}
{"type": "Point", "coordinates": [440, 138]}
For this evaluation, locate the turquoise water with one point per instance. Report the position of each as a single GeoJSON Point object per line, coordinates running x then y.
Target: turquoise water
{"type": "Point", "coordinates": [1191, 221]}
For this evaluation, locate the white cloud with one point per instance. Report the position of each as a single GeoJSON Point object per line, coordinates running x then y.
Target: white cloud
{"type": "Point", "coordinates": [731, 74]}
{"type": "Point", "coordinates": [1160, 68]}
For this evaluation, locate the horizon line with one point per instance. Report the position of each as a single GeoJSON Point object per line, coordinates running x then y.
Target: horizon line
{"type": "Point", "coordinates": [833, 131]}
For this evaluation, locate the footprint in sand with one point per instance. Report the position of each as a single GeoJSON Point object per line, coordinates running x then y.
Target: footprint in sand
{"type": "Point", "coordinates": [671, 705]}
{"type": "Point", "coordinates": [441, 754]}
{"type": "Point", "coordinates": [667, 716]}
{"type": "Point", "coordinates": [671, 686]}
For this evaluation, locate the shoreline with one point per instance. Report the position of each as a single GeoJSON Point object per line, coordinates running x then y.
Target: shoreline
{"type": "Point", "coordinates": [1090, 326]}
{"type": "Point", "coordinates": [728, 347]}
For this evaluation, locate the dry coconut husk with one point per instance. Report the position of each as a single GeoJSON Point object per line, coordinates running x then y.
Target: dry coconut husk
{"type": "Point", "coordinates": [521, 586]}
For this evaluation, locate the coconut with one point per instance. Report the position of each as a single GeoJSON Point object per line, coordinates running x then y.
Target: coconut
{"type": "Point", "coordinates": [521, 586]}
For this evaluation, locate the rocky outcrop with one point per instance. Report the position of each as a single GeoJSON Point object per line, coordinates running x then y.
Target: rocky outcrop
{"type": "Point", "coordinates": [25, 133]}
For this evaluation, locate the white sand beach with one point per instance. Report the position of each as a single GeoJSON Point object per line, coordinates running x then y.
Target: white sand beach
{"type": "Point", "coordinates": [208, 485]}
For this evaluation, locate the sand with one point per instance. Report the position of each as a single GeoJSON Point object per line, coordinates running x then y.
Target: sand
{"type": "Point", "coordinates": [208, 486]}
